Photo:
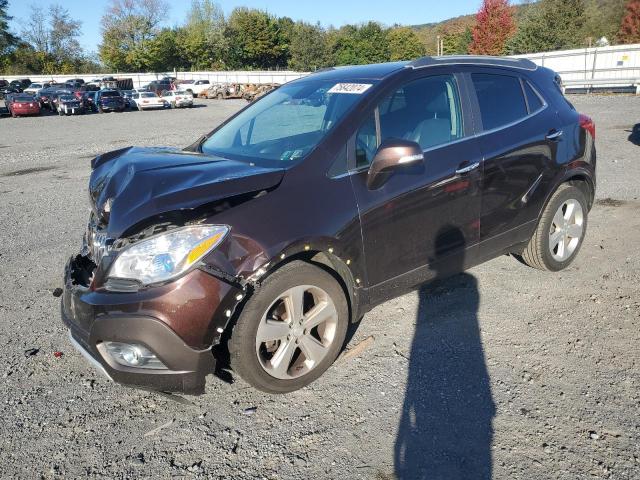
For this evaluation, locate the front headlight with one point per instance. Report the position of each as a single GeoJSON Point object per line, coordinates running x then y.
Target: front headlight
{"type": "Point", "coordinates": [167, 255]}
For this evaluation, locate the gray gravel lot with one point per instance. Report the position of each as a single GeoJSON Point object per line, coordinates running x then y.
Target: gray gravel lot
{"type": "Point", "coordinates": [504, 371]}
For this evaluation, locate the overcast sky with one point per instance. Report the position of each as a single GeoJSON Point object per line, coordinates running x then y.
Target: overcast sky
{"type": "Point", "coordinates": [327, 12]}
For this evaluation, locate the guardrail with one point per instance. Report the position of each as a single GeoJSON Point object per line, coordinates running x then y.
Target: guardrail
{"type": "Point", "coordinates": [589, 84]}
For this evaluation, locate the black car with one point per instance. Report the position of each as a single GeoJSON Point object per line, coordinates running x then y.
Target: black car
{"type": "Point", "coordinates": [109, 101]}
{"type": "Point", "coordinates": [68, 104]}
{"type": "Point", "coordinates": [264, 239]}
{"type": "Point", "coordinates": [88, 101]}
{"type": "Point", "coordinates": [48, 97]}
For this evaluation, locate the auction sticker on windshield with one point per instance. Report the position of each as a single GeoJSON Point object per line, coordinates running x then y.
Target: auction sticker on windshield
{"type": "Point", "coordinates": [357, 88]}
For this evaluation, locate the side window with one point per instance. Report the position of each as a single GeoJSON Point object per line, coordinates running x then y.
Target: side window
{"type": "Point", "coordinates": [534, 102]}
{"type": "Point", "coordinates": [366, 142]}
{"type": "Point", "coordinates": [426, 111]}
{"type": "Point", "coordinates": [500, 98]}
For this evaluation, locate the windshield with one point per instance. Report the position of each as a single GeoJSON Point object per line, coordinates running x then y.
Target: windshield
{"type": "Point", "coordinates": [286, 125]}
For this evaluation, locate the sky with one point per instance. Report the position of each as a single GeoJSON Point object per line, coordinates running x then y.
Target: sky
{"type": "Point", "coordinates": [327, 12]}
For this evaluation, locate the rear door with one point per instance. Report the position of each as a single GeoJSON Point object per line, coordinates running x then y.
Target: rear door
{"type": "Point", "coordinates": [518, 136]}
{"type": "Point", "coordinates": [424, 219]}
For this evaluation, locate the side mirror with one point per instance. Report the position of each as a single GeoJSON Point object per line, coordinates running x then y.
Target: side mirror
{"type": "Point", "coordinates": [394, 153]}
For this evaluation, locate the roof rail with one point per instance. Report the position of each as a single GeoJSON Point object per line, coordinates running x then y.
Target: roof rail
{"type": "Point", "coordinates": [522, 63]}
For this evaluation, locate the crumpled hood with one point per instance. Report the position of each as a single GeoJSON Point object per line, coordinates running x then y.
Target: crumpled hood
{"type": "Point", "coordinates": [143, 182]}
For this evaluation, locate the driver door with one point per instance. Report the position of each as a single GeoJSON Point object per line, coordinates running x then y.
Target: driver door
{"type": "Point", "coordinates": [424, 221]}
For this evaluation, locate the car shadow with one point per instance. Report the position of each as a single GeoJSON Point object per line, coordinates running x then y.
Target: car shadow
{"type": "Point", "coordinates": [446, 430]}
{"type": "Point", "coordinates": [634, 137]}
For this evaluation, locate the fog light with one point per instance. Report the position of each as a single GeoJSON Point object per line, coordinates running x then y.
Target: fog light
{"type": "Point", "coordinates": [133, 355]}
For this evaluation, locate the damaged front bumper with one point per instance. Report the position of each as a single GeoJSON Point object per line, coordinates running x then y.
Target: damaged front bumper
{"type": "Point", "coordinates": [179, 322]}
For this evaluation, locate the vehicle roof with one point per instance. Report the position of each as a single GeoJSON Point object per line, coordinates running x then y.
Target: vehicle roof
{"type": "Point", "coordinates": [377, 71]}
{"type": "Point", "coordinates": [374, 71]}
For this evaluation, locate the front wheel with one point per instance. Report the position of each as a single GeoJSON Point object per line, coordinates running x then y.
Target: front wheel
{"type": "Point", "coordinates": [560, 232]}
{"type": "Point", "coordinates": [291, 329]}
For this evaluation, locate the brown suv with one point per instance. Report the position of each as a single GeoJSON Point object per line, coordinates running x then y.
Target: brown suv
{"type": "Point", "coordinates": [321, 200]}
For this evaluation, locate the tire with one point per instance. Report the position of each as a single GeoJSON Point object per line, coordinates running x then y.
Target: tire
{"type": "Point", "coordinates": [253, 360]}
{"type": "Point", "coordinates": [539, 252]}
{"type": "Point", "coordinates": [220, 96]}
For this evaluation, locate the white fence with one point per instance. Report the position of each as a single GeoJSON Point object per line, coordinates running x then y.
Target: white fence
{"type": "Point", "coordinates": [594, 67]}
{"type": "Point", "coordinates": [583, 67]}
{"type": "Point", "coordinates": [140, 79]}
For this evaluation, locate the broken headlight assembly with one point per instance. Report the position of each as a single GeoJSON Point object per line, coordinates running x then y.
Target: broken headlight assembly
{"type": "Point", "coordinates": [165, 256]}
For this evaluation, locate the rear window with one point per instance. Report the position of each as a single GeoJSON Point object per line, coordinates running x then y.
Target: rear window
{"type": "Point", "coordinates": [534, 102]}
{"type": "Point", "coordinates": [110, 94]}
{"type": "Point", "coordinates": [147, 95]}
{"type": "Point", "coordinates": [501, 99]}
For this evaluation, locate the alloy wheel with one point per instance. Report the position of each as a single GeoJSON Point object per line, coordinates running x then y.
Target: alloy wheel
{"type": "Point", "coordinates": [296, 332]}
{"type": "Point", "coordinates": [566, 230]}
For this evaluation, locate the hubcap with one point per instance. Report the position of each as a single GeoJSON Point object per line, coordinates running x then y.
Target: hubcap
{"type": "Point", "coordinates": [296, 332]}
{"type": "Point", "coordinates": [566, 230]}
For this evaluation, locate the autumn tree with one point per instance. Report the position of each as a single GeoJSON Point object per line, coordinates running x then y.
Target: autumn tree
{"type": "Point", "coordinates": [494, 26]}
{"type": "Point", "coordinates": [630, 26]}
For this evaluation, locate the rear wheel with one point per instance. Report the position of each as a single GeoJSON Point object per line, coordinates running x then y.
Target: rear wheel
{"type": "Point", "coordinates": [560, 232]}
{"type": "Point", "coordinates": [291, 330]}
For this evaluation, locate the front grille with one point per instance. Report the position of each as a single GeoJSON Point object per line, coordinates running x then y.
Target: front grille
{"type": "Point", "coordinates": [96, 243]}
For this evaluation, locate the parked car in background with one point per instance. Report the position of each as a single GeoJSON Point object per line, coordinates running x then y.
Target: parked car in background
{"type": "Point", "coordinates": [20, 104]}
{"type": "Point", "coordinates": [48, 97]}
{"type": "Point", "coordinates": [177, 98]}
{"type": "Point", "coordinates": [87, 101]}
{"type": "Point", "coordinates": [127, 94]}
{"type": "Point", "coordinates": [34, 88]}
{"type": "Point", "coordinates": [8, 90]}
{"type": "Point", "coordinates": [159, 86]}
{"type": "Point", "coordinates": [337, 192]}
{"type": "Point", "coordinates": [109, 101]}
{"type": "Point", "coordinates": [20, 84]}
{"type": "Point", "coordinates": [194, 87]}
{"type": "Point", "coordinates": [148, 101]}
{"type": "Point", "coordinates": [68, 104]}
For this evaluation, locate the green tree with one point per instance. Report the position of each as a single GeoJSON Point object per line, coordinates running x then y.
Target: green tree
{"type": "Point", "coordinates": [255, 40]}
{"type": "Point", "coordinates": [404, 44]}
{"type": "Point", "coordinates": [356, 45]}
{"type": "Point", "coordinates": [308, 49]}
{"type": "Point", "coordinates": [550, 25]}
{"type": "Point", "coordinates": [163, 54]}
{"type": "Point", "coordinates": [128, 26]}
{"type": "Point", "coordinates": [201, 40]}
{"type": "Point", "coordinates": [602, 19]}
{"type": "Point", "coordinates": [7, 39]}
{"type": "Point", "coordinates": [53, 38]}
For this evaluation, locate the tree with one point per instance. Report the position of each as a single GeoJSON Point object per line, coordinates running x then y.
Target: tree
{"type": "Point", "coordinates": [308, 47]}
{"type": "Point", "coordinates": [255, 40]}
{"type": "Point", "coordinates": [53, 38]}
{"type": "Point", "coordinates": [356, 45]}
{"type": "Point", "coordinates": [404, 44]}
{"type": "Point", "coordinates": [630, 26]}
{"type": "Point", "coordinates": [201, 40]}
{"type": "Point", "coordinates": [494, 26]}
{"type": "Point", "coordinates": [602, 19]}
{"type": "Point", "coordinates": [7, 39]}
{"type": "Point", "coordinates": [128, 26]}
{"type": "Point", "coordinates": [550, 25]}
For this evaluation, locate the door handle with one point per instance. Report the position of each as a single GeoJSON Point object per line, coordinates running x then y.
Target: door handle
{"type": "Point", "coordinates": [468, 168]}
{"type": "Point", "coordinates": [554, 135]}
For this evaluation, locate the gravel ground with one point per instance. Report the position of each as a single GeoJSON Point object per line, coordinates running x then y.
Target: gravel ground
{"type": "Point", "coordinates": [502, 372]}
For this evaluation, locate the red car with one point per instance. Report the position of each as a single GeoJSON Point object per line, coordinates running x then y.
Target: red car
{"type": "Point", "coordinates": [22, 105]}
